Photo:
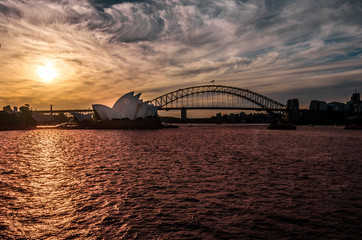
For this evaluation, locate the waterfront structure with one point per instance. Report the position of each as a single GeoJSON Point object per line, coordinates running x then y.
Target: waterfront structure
{"type": "Point", "coordinates": [321, 112]}
{"type": "Point", "coordinates": [337, 107]}
{"type": "Point", "coordinates": [128, 112]}
{"type": "Point", "coordinates": [316, 105]}
{"type": "Point", "coordinates": [355, 103]}
{"type": "Point", "coordinates": [82, 117]}
{"type": "Point", "coordinates": [41, 118]}
{"type": "Point", "coordinates": [128, 106]}
{"type": "Point", "coordinates": [292, 112]}
{"type": "Point", "coordinates": [216, 97]}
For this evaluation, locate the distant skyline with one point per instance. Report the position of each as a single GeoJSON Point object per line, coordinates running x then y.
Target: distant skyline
{"type": "Point", "coordinates": [99, 50]}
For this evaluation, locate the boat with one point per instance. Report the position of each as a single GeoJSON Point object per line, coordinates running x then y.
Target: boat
{"type": "Point", "coordinates": [353, 127]}
{"type": "Point", "coordinates": [356, 124]}
{"type": "Point", "coordinates": [282, 126]}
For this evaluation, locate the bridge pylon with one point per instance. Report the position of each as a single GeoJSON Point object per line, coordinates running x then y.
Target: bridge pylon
{"type": "Point", "coordinates": [183, 114]}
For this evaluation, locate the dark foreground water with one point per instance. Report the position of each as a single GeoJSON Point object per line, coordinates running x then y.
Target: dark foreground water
{"type": "Point", "coordinates": [199, 182]}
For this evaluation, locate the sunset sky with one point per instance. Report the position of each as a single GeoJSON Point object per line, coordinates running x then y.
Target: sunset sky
{"type": "Point", "coordinates": [100, 50]}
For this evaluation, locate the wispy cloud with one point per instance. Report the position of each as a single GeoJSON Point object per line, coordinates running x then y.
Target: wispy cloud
{"type": "Point", "coordinates": [103, 49]}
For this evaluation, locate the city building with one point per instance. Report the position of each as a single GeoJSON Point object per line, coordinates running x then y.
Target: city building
{"type": "Point", "coordinates": [337, 107]}
{"type": "Point", "coordinates": [355, 103]}
{"type": "Point", "coordinates": [316, 105]}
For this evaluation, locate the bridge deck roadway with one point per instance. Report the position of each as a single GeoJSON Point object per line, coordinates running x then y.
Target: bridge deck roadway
{"type": "Point", "coordinates": [223, 108]}
{"type": "Point", "coordinates": [166, 109]}
{"type": "Point", "coordinates": [65, 111]}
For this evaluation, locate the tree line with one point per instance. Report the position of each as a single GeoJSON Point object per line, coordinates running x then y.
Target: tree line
{"type": "Point", "coordinates": [13, 120]}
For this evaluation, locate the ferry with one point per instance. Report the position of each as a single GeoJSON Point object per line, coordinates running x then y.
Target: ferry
{"type": "Point", "coordinates": [282, 126]}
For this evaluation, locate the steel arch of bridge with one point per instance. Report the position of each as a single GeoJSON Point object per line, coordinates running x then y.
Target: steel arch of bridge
{"type": "Point", "coordinates": [262, 101]}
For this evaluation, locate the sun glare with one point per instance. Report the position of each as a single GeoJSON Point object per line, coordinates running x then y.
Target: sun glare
{"type": "Point", "coordinates": [47, 72]}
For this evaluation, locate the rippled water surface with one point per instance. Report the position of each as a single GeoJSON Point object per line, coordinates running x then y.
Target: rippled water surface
{"type": "Point", "coordinates": [195, 182]}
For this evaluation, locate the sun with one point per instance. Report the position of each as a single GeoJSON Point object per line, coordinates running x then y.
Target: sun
{"type": "Point", "coordinates": [47, 72]}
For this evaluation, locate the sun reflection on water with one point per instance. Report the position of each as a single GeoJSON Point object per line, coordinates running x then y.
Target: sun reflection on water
{"type": "Point", "coordinates": [49, 188]}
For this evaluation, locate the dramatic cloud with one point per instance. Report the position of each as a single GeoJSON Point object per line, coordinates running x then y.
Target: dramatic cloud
{"type": "Point", "coordinates": [103, 49]}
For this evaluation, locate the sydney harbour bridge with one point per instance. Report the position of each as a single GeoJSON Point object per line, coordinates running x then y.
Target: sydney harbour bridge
{"type": "Point", "coordinates": [216, 97]}
{"type": "Point", "coordinates": [207, 97]}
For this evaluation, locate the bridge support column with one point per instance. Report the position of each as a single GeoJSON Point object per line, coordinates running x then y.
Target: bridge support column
{"type": "Point", "coordinates": [183, 114]}
{"type": "Point", "coordinates": [292, 113]}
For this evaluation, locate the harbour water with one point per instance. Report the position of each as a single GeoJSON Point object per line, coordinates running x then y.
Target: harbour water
{"type": "Point", "coordinates": [195, 182]}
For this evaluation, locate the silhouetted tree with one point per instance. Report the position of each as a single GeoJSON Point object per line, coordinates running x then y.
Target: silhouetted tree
{"type": "Point", "coordinates": [25, 108]}
{"type": "Point", "coordinates": [26, 117]}
{"type": "Point", "coordinates": [7, 108]}
{"type": "Point", "coordinates": [12, 120]}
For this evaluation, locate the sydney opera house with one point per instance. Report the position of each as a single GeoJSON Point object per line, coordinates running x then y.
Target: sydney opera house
{"type": "Point", "coordinates": [127, 112]}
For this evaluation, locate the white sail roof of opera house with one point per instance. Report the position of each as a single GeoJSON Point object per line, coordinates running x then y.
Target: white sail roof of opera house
{"type": "Point", "coordinates": [142, 110]}
{"type": "Point", "coordinates": [151, 111]}
{"type": "Point", "coordinates": [122, 100]}
{"type": "Point", "coordinates": [114, 114]}
{"type": "Point", "coordinates": [101, 111]}
{"type": "Point", "coordinates": [137, 96]}
{"type": "Point", "coordinates": [127, 106]}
